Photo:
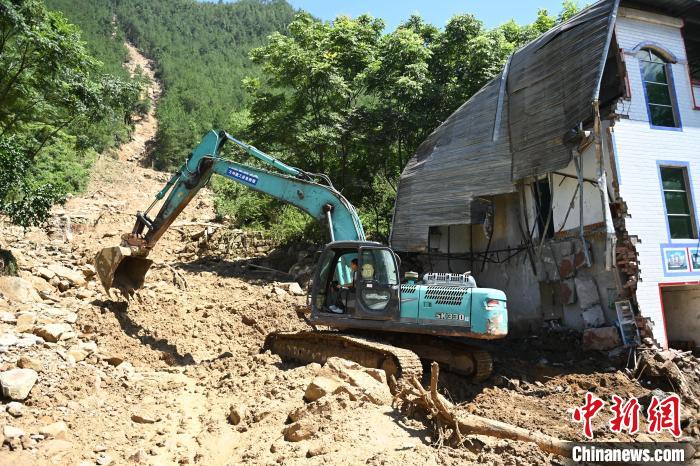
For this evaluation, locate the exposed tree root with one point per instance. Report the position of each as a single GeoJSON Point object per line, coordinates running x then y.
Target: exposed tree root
{"type": "Point", "coordinates": [452, 427]}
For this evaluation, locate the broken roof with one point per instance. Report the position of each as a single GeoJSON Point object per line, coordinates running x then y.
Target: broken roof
{"type": "Point", "coordinates": [511, 129]}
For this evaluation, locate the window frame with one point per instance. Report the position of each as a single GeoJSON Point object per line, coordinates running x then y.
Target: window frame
{"type": "Point", "coordinates": [690, 198]}
{"type": "Point", "coordinates": [670, 83]}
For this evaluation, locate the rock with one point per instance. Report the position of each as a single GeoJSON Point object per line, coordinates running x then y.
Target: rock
{"type": "Point", "coordinates": [113, 359]}
{"type": "Point", "coordinates": [237, 414]}
{"type": "Point", "coordinates": [44, 273]}
{"type": "Point", "coordinates": [604, 338]}
{"type": "Point", "coordinates": [358, 382]}
{"type": "Point", "coordinates": [88, 271]}
{"type": "Point", "coordinates": [279, 291]}
{"type": "Point", "coordinates": [321, 386]}
{"type": "Point", "coordinates": [300, 430]}
{"type": "Point", "coordinates": [8, 317]}
{"type": "Point", "coordinates": [661, 356]}
{"type": "Point", "coordinates": [88, 346]}
{"type": "Point", "coordinates": [144, 419]}
{"type": "Point", "coordinates": [18, 289]}
{"type": "Point", "coordinates": [8, 339]}
{"type": "Point", "coordinates": [65, 274]}
{"type": "Point", "coordinates": [53, 332]}
{"type": "Point", "coordinates": [77, 354]}
{"type": "Point", "coordinates": [56, 430]}
{"type": "Point", "coordinates": [17, 383]}
{"type": "Point", "coordinates": [317, 450]}
{"type": "Point", "coordinates": [103, 459]}
{"type": "Point", "coordinates": [293, 288]}
{"type": "Point", "coordinates": [25, 322]}
{"type": "Point", "coordinates": [14, 408]}
{"type": "Point", "coordinates": [53, 447]}
{"type": "Point", "coordinates": [11, 432]}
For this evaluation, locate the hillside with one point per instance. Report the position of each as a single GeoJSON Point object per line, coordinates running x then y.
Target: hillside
{"type": "Point", "coordinates": [201, 53]}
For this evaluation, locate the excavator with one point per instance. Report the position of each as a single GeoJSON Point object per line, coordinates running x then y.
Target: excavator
{"type": "Point", "coordinates": [374, 317]}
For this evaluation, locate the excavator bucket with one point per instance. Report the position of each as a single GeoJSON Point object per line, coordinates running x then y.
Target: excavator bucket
{"type": "Point", "coordinates": [118, 268]}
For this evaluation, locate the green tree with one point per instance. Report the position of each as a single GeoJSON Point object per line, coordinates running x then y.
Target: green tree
{"type": "Point", "coordinates": [49, 86]}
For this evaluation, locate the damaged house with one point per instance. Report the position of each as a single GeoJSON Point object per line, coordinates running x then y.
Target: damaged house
{"type": "Point", "coordinates": [569, 180]}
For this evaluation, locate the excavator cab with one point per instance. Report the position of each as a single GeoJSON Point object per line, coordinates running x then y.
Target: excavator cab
{"type": "Point", "coordinates": [370, 290]}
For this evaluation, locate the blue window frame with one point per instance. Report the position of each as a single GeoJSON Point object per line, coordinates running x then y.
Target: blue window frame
{"type": "Point", "coordinates": [657, 81]}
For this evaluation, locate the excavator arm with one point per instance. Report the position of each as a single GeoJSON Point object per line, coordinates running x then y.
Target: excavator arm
{"type": "Point", "coordinates": [124, 267]}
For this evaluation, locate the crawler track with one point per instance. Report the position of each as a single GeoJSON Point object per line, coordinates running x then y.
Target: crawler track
{"type": "Point", "coordinates": [308, 347]}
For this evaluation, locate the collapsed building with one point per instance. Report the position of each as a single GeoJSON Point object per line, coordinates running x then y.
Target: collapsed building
{"type": "Point", "coordinates": [568, 180]}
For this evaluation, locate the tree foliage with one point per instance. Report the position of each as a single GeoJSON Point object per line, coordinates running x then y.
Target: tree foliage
{"type": "Point", "coordinates": [346, 99]}
{"type": "Point", "coordinates": [50, 88]}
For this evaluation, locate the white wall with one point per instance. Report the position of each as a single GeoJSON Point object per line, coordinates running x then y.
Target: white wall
{"type": "Point", "coordinates": [638, 148]}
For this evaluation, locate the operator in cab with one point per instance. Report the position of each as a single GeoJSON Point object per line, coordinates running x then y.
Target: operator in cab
{"type": "Point", "coordinates": [343, 291]}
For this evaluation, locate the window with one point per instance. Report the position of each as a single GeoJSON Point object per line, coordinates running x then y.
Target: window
{"type": "Point", "coordinates": [679, 208]}
{"type": "Point", "coordinates": [655, 78]}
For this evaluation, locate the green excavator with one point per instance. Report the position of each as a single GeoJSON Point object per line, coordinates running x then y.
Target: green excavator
{"type": "Point", "coordinates": [378, 319]}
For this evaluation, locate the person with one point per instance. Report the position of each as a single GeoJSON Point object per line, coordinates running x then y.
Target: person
{"type": "Point", "coordinates": [344, 290]}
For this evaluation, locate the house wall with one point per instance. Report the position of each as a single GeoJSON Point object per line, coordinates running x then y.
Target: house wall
{"type": "Point", "coordinates": [639, 150]}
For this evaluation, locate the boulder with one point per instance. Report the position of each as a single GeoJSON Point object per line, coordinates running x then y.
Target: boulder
{"type": "Point", "coordinates": [14, 408]}
{"type": "Point", "coordinates": [17, 383]}
{"type": "Point", "coordinates": [25, 322]}
{"type": "Point", "coordinates": [18, 289]}
{"type": "Point", "coordinates": [300, 430]}
{"type": "Point", "coordinates": [56, 430]}
{"type": "Point", "coordinates": [359, 382]}
{"type": "Point", "coordinates": [321, 386]}
{"type": "Point", "coordinates": [53, 332]}
{"type": "Point", "coordinates": [26, 362]}
{"type": "Point", "coordinates": [8, 339]}
{"type": "Point", "coordinates": [73, 277]}
{"type": "Point", "coordinates": [44, 273]}
{"type": "Point", "coordinates": [602, 339]}
{"type": "Point", "coordinates": [11, 432]}
{"type": "Point", "coordinates": [237, 414]}
{"type": "Point", "coordinates": [293, 288]}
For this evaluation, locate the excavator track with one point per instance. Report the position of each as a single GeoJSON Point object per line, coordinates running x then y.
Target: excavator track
{"type": "Point", "coordinates": [306, 347]}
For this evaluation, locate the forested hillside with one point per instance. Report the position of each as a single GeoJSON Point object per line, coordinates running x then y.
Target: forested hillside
{"type": "Point", "coordinates": [58, 107]}
{"type": "Point", "coordinates": [346, 98]}
{"type": "Point", "coordinates": [201, 51]}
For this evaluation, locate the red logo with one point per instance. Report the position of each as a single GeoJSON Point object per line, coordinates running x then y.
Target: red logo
{"type": "Point", "coordinates": [665, 415]}
{"type": "Point", "coordinates": [626, 416]}
{"type": "Point", "coordinates": [586, 412]}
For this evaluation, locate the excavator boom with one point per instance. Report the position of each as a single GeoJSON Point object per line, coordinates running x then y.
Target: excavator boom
{"type": "Point", "coordinates": [124, 267]}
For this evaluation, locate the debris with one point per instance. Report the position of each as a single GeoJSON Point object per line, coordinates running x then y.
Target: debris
{"type": "Point", "coordinates": [14, 408]}
{"type": "Point", "coordinates": [321, 386]}
{"type": "Point", "coordinates": [442, 413]}
{"type": "Point", "coordinates": [603, 338]}
{"type": "Point", "coordinates": [17, 383]}
{"type": "Point", "coordinates": [237, 414]}
{"type": "Point", "coordinates": [56, 430]}
{"type": "Point", "coordinates": [53, 332]}
{"type": "Point", "coordinates": [25, 322]}
{"type": "Point", "coordinates": [18, 289]}
{"type": "Point", "coordinates": [11, 432]}
{"type": "Point", "coordinates": [73, 277]}
{"type": "Point", "coordinates": [144, 419]}
{"type": "Point", "coordinates": [293, 288]}
{"type": "Point", "coordinates": [300, 430]}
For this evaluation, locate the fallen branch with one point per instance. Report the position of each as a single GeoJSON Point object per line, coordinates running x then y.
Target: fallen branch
{"type": "Point", "coordinates": [443, 413]}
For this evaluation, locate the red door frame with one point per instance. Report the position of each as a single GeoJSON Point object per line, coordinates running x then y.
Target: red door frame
{"type": "Point", "coordinates": [661, 301]}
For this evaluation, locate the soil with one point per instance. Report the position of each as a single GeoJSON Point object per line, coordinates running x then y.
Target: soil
{"type": "Point", "coordinates": [172, 362]}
